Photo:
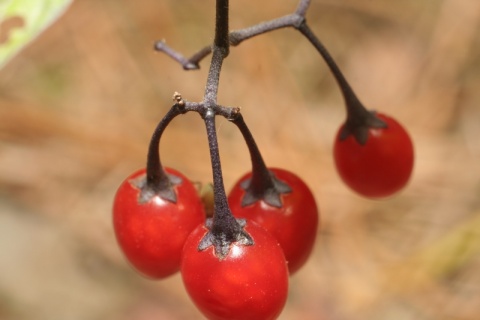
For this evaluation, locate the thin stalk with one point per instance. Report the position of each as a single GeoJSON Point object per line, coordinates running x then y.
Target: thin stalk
{"type": "Point", "coordinates": [302, 7]}
{"type": "Point", "coordinates": [158, 182]}
{"type": "Point", "coordinates": [222, 210]}
{"type": "Point", "coordinates": [359, 119]}
{"type": "Point", "coordinates": [261, 179]}
{"type": "Point", "coordinates": [221, 47]}
{"type": "Point", "coordinates": [221, 25]}
{"type": "Point", "coordinates": [263, 185]}
{"type": "Point", "coordinates": [224, 229]}
{"type": "Point", "coordinates": [351, 100]}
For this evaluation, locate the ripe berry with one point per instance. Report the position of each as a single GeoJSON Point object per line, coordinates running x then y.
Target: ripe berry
{"type": "Point", "coordinates": [150, 230]}
{"type": "Point", "coordinates": [249, 282]}
{"type": "Point", "coordinates": [294, 223]}
{"type": "Point", "coordinates": [380, 167]}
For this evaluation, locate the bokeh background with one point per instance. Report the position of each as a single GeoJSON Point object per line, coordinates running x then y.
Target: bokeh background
{"type": "Point", "coordinates": [78, 105]}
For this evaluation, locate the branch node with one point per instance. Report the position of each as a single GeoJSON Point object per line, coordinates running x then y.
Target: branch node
{"type": "Point", "coordinates": [177, 98]}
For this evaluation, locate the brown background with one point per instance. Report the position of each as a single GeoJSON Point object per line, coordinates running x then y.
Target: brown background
{"type": "Point", "coordinates": [77, 108]}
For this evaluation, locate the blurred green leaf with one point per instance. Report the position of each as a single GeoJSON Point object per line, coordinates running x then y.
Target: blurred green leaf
{"type": "Point", "coordinates": [21, 21]}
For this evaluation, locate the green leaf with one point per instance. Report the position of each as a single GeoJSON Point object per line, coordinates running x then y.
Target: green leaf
{"type": "Point", "coordinates": [21, 21]}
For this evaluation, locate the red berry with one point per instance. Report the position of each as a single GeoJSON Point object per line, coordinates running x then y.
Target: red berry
{"type": "Point", "coordinates": [152, 234]}
{"type": "Point", "coordinates": [380, 167]}
{"type": "Point", "coordinates": [294, 224]}
{"type": "Point", "coordinates": [251, 282]}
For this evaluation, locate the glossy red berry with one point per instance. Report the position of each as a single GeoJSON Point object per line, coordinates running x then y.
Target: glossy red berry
{"type": "Point", "coordinates": [380, 167]}
{"type": "Point", "coordinates": [152, 234]}
{"type": "Point", "coordinates": [250, 282]}
{"type": "Point", "coordinates": [294, 224]}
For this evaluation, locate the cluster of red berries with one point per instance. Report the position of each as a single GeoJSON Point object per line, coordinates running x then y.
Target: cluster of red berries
{"type": "Point", "coordinates": [237, 268]}
{"type": "Point", "coordinates": [236, 264]}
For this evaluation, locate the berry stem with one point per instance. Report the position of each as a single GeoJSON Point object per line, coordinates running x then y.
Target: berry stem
{"type": "Point", "coordinates": [359, 119]}
{"type": "Point", "coordinates": [222, 211]}
{"type": "Point", "coordinates": [221, 47]}
{"type": "Point", "coordinates": [261, 179]}
{"type": "Point", "coordinates": [302, 7]}
{"type": "Point", "coordinates": [221, 25]}
{"type": "Point", "coordinates": [224, 229]}
{"type": "Point", "coordinates": [263, 185]}
{"type": "Point", "coordinates": [158, 181]}
{"type": "Point", "coordinates": [353, 104]}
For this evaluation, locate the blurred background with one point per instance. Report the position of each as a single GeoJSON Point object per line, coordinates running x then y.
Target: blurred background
{"type": "Point", "coordinates": [78, 106]}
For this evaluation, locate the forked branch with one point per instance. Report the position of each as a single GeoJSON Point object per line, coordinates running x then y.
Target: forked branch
{"type": "Point", "coordinates": [236, 37]}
